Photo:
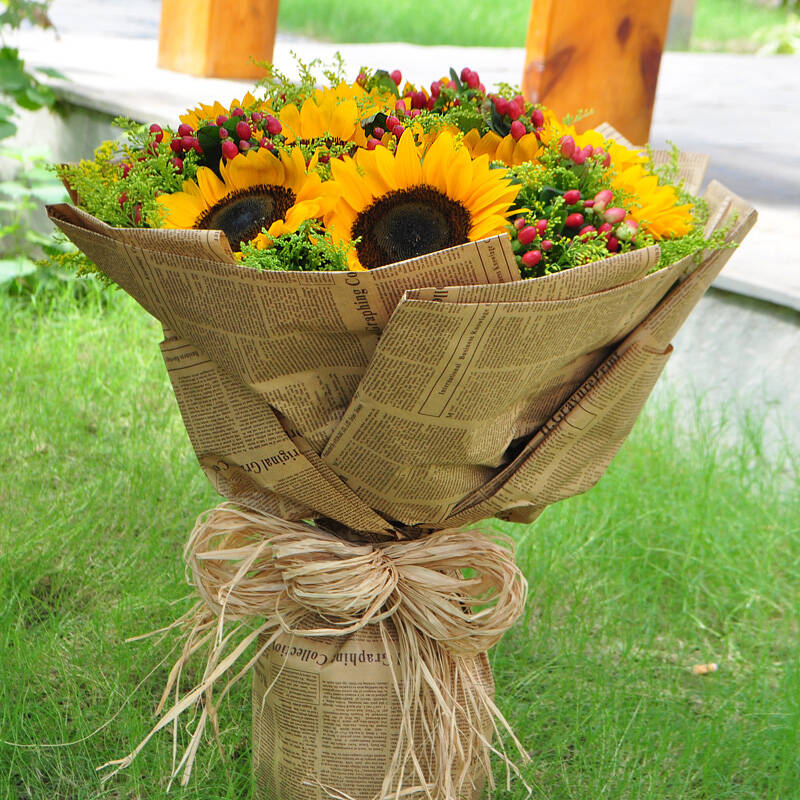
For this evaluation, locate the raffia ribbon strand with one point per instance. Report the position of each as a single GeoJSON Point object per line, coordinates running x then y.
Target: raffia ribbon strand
{"type": "Point", "coordinates": [269, 576]}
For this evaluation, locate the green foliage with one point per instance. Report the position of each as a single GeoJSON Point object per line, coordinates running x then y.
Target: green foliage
{"type": "Point", "coordinates": [308, 249]}
{"type": "Point", "coordinates": [17, 83]}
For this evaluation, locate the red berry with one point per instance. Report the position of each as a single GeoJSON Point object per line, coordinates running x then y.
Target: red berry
{"type": "Point", "coordinates": [197, 147]}
{"type": "Point", "coordinates": [531, 258]}
{"type": "Point", "coordinates": [587, 229]}
{"type": "Point", "coordinates": [263, 141]}
{"type": "Point", "coordinates": [398, 131]}
{"type": "Point", "coordinates": [176, 145]}
{"type": "Point", "coordinates": [126, 168]}
{"type": "Point", "coordinates": [514, 110]}
{"type": "Point", "coordinates": [606, 160]}
{"type": "Point", "coordinates": [123, 198]}
{"type": "Point", "coordinates": [519, 223]}
{"type": "Point", "coordinates": [157, 131]}
{"type": "Point", "coordinates": [612, 244]}
{"type": "Point", "coordinates": [473, 81]}
{"type": "Point", "coordinates": [269, 146]}
{"type": "Point", "coordinates": [223, 133]}
{"type": "Point", "coordinates": [415, 112]}
{"type": "Point", "coordinates": [185, 130]}
{"type": "Point", "coordinates": [517, 130]}
{"type": "Point", "coordinates": [567, 145]}
{"type": "Point", "coordinates": [436, 89]}
{"type": "Point", "coordinates": [527, 234]}
{"type": "Point", "coordinates": [256, 117]}
{"type": "Point", "coordinates": [187, 142]}
{"type": "Point", "coordinates": [362, 78]}
{"type": "Point", "coordinates": [400, 106]}
{"type": "Point", "coordinates": [541, 226]}
{"type": "Point", "coordinates": [588, 203]}
{"type": "Point", "coordinates": [602, 199]}
{"type": "Point", "coordinates": [430, 104]}
{"type": "Point", "coordinates": [137, 213]}
{"type": "Point", "coordinates": [579, 157]}
{"type": "Point", "coordinates": [574, 220]}
{"type": "Point", "coordinates": [605, 227]}
{"type": "Point", "coordinates": [614, 215]}
{"type": "Point", "coordinates": [244, 145]}
{"type": "Point", "coordinates": [391, 123]}
{"type": "Point", "coordinates": [221, 119]}
{"type": "Point", "coordinates": [372, 143]}
{"type": "Point", "coordinates": [537, 118]}
{"type": "Point", "coordinates": [237, 112]}
{"type": "Point", "coordinates": [418, 100]}
{"type": "Point", "coordinates": [229, 149]}
{"type": "Point", "coordinates": [465, 73]}
{"type": "Point", "coordinates": [378, 132]}
{"type": "Point", "coordinates": [572, 196]}
{"type": "Point", "coordinates": [396, 76]}
{"type": "Point", "coordinates": [273, 126]}
{"type": "Point", "coordinates": [177, 163]}
{"type": "Point", "coordinates": [546, 244]}
{"type": "Point", "coordinates": [501, 104]}
{"type": "Point", "coordinates": [243, 130]}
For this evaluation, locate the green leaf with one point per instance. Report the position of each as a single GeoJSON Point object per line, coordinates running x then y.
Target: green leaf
{"type": "Point", "coordinates": [52, 72]}
{"type": "Point", "coordinates": [208, 136]}
{"type": "Point", "coordinates": [456, 80]}
{"type": "Point", "coordinates": [12, 70]}
{"type": "Point", "coordinates": [7, 128]}
{"type": "Point", "coordinates": [17, 267]}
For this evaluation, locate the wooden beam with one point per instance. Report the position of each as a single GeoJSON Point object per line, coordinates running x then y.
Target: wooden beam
{"type": "Point", "coordinates": [600, 55]}
{"type": "Point", "coordinates": [217, 38]}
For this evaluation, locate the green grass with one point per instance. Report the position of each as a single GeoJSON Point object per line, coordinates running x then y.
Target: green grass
{"type": "Point", "coordinates": [488, 24]}
{"type": "Point", "coordinates": [686, 552]}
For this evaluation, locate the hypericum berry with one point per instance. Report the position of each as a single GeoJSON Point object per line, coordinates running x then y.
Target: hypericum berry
{"type": "Point", "coordinates": [612, 244]}
{"type": "Point", "coordinates": [501, 104]}
{"type": "Point", "coordinates": [527, 234]}
{"type": "Point", "coordinates": [229, 149]}
{"type": "Point", "coordinates": [256, 117]}
{"type": "Point", "coordinates": [361, 79]}
{"type": "Point", "coordinates": [606, 157]}
{"type": "Point", "coordinates": [517, 130]}
{"type": "Point", "coordinates": [572, 196]}
{"type": "Point", "coordinates": [221, 119]}
{"type": "Point", "coordinates": [244, 145]}
{"type": "Point", "coordinates": [185, 130]}
{"type": "Point", "coordinates": [372, 143]}
{"type": "Point", "coordinates": [537, 118]}
{"type": "Point", "coordinates": [541, 226]}
{"type": "Point", "coordinates": [197, 147]}
{"type": "Point", "coordinates": [396, 76]}
{"type": "Point", "coordinates": [436, 89]}
{"type": "Point", "coordinates": [126, 168]}
{"type": "Point", "coordinates": [546, 244]}
{"type": "Point", "coordinates": [223, 133]}
{"type": "Point", "coordinates": [158, 133]}
{"type": "Point", "coordinates": [123, 198]}
{"type": "Point", "coordinates": [398, 131]}
{"type": "Point", "coordinates": [243, 130]}
{"type": "Point", "coordinates": [271, 147]}
{"type": "Point", "coordinates": [574, 220]}
{"type": "Point", "coordinates": [415, 112]}
{"type": "Point", "coordinates": [587, 229]}
{"type": "Point", "coordinates": [391, 123]}
{"type": "Point", "coordinates": [237, 112]}
{"type": "Point", "coordinates": [176, 145]}
{"type": "Point", "coordinates": [602, 199]}
{"type": "Point", "coordinates": [579, 157]}
{"type": "Point", "coordinates": [177, 163]}
{"type": "Point", "coordinates": [514, 110]}
{"type": "Point", "coordinates": [137, 213]}
{"type": "Point", "coordinates": [614, 215]}
{"type": "Point", "coordinates": [187, 142]}
{"type": "Point", "coordinates": [273, 125]}
{"type": "Point", "coordinates": [606, 227]}
{"type": "Point", "coordinates": [567, 145]}
{"type": "Point", "coordinates": [519, 223]}
{"type": "Point", "coordinates": [400, 106]}
{"type": "Point", "coordinates": [465, 74]}
{"type": "Point", "coordinates": [378, 132]}
{"type": "Point", "coordinates": [431, 103]}
{"type": "Point", "coordinates": [531, 258]}
{"type": "Point", "coordinates": [588, 203]}
{"type": "Point", "coordinates": [418, 100]}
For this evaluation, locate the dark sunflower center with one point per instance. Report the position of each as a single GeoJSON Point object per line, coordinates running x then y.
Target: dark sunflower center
{"type": "Point", "coordinates": [241, 215]}
{"type": "Point", "coordinates": [409, 223]}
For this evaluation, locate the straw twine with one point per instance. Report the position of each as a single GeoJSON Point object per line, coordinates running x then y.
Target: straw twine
{"type": "Point", "coordinates": [257, 574]}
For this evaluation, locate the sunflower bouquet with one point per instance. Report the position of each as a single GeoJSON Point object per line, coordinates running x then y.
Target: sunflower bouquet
{"type": "Point", "coordinates": [389, 312]}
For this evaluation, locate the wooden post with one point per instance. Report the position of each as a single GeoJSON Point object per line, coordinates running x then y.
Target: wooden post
{"type": "Point", "coordinates": [217, 38]}
{"type": "Point", "coordinates": [600, 55]}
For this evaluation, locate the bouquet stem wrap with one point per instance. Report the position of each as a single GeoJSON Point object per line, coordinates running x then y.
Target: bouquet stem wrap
{"type": "Point", "coordinates": [260, 577]}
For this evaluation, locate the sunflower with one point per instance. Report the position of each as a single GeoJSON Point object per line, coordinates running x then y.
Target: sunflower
{"type": "Point", "coordinates": [655, 206]}
{"type": "Point", "coordinates": [332, 119]}
{"type": "Point", "coordinates": [257, 191]}
{"type": "Point", "coordinates": [412, 202]}
{"type": "Point", "coordinates": [503, 148]}
{"type": "Point", "coordinates": [203, 113]}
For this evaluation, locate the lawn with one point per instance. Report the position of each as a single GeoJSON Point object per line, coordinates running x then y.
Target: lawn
{"type": "Point", "coordinates": [718, 24]}
{"type": "Point", "coordinates": [685, 553]}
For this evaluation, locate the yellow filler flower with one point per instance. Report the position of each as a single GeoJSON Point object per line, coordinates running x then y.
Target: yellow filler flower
{"type": "Point", "coordinates": [412, 202]}
{"type": "Point", "coordinates": [257, 190]}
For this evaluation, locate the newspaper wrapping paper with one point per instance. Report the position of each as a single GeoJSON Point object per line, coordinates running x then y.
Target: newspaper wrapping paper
{"type": "Point", "coordinates": [328, 395]}
{"type": "Point", "coordinates": [341, 626]}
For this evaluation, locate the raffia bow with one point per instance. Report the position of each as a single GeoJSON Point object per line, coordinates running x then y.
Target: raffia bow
{"type": "Point", "coordinates": [248, 566]}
